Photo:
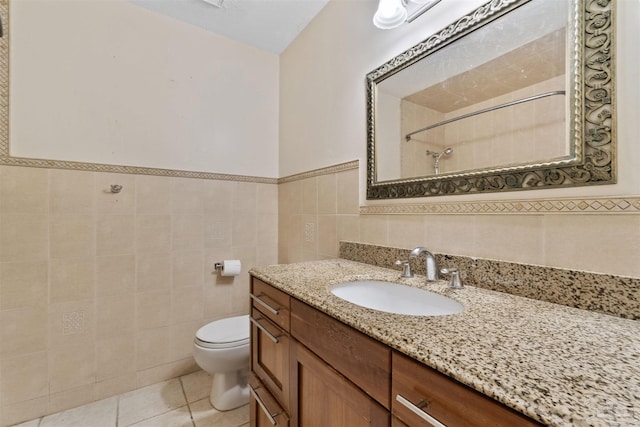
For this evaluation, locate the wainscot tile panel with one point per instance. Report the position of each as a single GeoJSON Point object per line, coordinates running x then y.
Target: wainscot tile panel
{"type": "Point", "coordinates": [101, 293]}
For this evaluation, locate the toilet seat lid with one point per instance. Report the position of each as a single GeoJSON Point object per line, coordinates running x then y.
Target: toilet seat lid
{"type": "Point", "coordinates": [229, 332]}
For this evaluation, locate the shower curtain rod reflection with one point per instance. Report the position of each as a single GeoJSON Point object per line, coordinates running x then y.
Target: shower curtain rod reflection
{"type": "Point", "coordinates": [486, 110]}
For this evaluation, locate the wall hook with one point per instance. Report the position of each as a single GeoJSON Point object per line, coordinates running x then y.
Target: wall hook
{"type": "Point", "coordinates": [115, 188]}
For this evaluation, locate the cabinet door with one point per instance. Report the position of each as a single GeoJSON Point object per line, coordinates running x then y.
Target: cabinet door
{"type": "Point", "coordinates": [270, 356]}
{"type": "Point", "coordinates": [395, 422]}
{"type": "Point", "coordinates": [321, 397]}
{"type": "Point", "coordinates": [264, 409]}
{"type": "Point", "coordinates": [422, 396]}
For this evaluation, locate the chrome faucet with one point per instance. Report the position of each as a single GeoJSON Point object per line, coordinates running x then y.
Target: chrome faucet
{"type": "Point", "coordinates": [432, 264]}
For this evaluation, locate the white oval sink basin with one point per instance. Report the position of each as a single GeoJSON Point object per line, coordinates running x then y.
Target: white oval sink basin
{"type": "Point", "coordinates": [396, 298]}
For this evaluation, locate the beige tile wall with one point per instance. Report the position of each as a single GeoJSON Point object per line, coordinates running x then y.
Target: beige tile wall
{"type": "Point", "coordinates": [414, 160]}
{"type": "Point", "coordinates": [600, 243]}
{"type": "Point", "coordinates": [315, 214]}
{"type": "Point", "coordinates": [513, 135]}
{"type": "Point", "coordinates": [102, 293]}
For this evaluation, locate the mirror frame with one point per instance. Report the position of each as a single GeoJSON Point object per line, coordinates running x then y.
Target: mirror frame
{"type": "Point", "coordinates": [591, 120]}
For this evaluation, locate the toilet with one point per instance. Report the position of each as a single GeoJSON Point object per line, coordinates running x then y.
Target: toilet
{"type": "Point", "coordinates": [221, 348]}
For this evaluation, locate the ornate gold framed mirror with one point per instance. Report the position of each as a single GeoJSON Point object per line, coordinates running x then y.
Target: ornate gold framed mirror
{"type": "Point", "coordinates": [517, 95]}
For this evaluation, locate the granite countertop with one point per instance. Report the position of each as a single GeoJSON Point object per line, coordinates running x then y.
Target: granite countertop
{"type": "Point", "coordinates": [559, 365]}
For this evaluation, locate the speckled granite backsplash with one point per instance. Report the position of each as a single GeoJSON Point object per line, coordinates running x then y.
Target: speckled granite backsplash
{"type": "Point", "coordinates": [615, 295]}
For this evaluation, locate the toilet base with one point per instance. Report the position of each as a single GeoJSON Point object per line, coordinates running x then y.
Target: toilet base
{"type": "Point", "coordinates": [230, 390]}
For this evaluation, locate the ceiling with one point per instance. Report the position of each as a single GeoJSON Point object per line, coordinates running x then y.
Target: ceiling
{"type": "Point", "coordinates": [269, 25]}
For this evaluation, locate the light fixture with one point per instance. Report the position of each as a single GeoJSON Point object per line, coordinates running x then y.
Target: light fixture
{"type": "Point", "coordinates": [216, 3]}
{"type": "Point", "coordinates": [393, 13]}
{"type": "Point", "coordinates": [390, 14]}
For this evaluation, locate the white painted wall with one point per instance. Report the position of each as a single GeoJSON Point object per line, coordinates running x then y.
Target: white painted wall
{"type": "Point", "coordinates": [111, 82]}
{"type": "Point", "coordinates": [322, 100]}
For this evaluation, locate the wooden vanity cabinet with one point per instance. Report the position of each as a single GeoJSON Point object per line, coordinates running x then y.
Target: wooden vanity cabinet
{"type": "Point", "coordinates": [270, 346]}
{"type": "Point", "coordinates": [422, 396]}
{"type": "Point", "coordinates": [311, 370]}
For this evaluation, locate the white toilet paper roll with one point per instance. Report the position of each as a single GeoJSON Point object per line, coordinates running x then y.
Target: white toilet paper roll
{"type": "Point", "coordinates": [231, 267]}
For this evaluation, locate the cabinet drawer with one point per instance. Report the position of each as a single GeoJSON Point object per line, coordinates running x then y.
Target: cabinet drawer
{"type": "Point", "coordinates": [420, 393]}
{"type": "Point", "coordinates": [271, 302]}
{"type": "Point", "coordinates": [264, 409]}
{"type": "Point", "coordinates": [270, 356]}
{"type": "Point", "coordinates": [364, 361]}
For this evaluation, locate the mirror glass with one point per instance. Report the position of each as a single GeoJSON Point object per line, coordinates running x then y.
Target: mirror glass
{"type": "Point", "coordinates": [488, 95]}
{"type": "Point", "coordinates": [478, 72]}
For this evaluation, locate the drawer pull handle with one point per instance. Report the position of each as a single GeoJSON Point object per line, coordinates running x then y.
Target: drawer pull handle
{"type": "Point", "coordinates": [268, 413]}
{"type": "Point", "coordinates": [273, 310]}
{"type": "Point", "coordinates": [265, 330]}
{"type": "Point", "coordinates": [419, 412]}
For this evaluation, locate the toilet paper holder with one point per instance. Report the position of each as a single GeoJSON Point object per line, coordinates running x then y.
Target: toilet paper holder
{"type": "Point", "coordinates": [228, 267]}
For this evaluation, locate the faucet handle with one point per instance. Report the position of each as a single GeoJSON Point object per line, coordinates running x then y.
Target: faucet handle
{"type": "Point", "coordinates": [455, 282]}
{"type": "Point", "coordinates": [406, 268]}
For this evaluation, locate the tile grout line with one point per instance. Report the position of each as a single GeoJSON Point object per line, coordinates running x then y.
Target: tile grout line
{"type": "Point", "coordinates": [118, 409]}
{"type": "Point", "coordinates": [186, 399]}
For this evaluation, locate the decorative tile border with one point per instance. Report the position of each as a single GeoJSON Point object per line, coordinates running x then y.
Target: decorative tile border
{"type": "Point", "coordinates": [322, 171]}
{"type": "Point", "coordinates": [98, 167]}
{"type": "Point", "coordinates": [604, 293]}
{"type": "Point", "coordinates": [8, 160]}
{"type": "Point", "coordinates": [4, 80]}
{"type": "Point", "coordinates": [599, 205]}
{"type": "Point", "coordinates": [630, 204]}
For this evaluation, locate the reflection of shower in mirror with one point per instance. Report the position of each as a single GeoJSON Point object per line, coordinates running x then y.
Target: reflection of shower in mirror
{"type": "Point", "coordinates": [437, 156]}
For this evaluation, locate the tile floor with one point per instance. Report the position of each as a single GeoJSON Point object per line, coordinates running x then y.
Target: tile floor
{"type": "Point", "coordinates": [179, 402]}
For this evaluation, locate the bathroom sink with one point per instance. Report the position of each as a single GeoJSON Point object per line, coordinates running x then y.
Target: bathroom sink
{"type": "Point", "coordinates": [396, 298]}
